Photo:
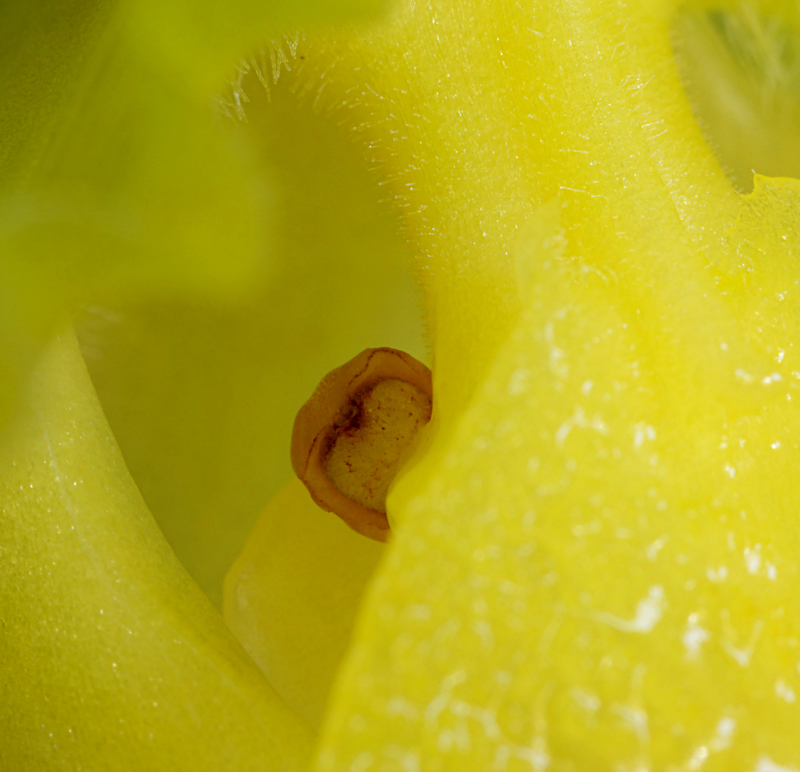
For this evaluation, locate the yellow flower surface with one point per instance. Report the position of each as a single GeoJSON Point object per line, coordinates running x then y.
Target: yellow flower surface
{"type": "Point", "coordinates": [121, 181]}
{"type": "Point", "coordinates": [112, 658]}
{"type": "Point", "coordinates": [595, 550]}
{"type": "Point", "coordinates": [596, 557]}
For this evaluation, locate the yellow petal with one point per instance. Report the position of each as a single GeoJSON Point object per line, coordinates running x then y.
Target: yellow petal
{"type": "Point", "coordinates": [586, 577]}
{"type": "Point", "coordinates": [292, 596]}
{"type": "Point", "coordinates": [595, 562]}
{"type": "Point", "coordinates": [111, 657]}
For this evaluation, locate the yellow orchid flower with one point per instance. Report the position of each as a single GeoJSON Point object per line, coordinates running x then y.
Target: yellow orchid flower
{"type": "Point", "coordinates": [594, 552]}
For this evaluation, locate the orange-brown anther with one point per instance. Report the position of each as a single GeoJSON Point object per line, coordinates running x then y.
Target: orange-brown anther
{"type": "Point", "coordinates": [350, 438]}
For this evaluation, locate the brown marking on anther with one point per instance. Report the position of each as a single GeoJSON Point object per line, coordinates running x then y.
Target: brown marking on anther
{"type": "Point", "coordinates": [344, 408]}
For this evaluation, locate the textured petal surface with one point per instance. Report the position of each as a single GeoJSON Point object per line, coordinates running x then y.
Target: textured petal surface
{"type": "Point", "coordinates": [111, 656]}
{"type": "Point", "coordinates": [590, 578]}
{"type": "Point", "coordinates": [595, 561]}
